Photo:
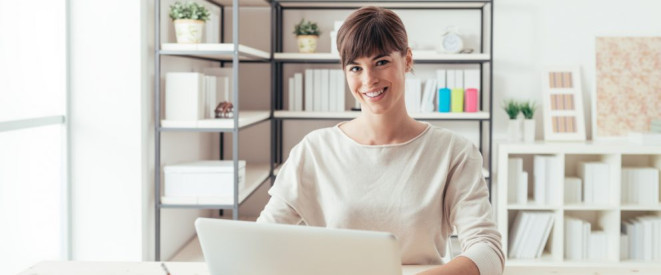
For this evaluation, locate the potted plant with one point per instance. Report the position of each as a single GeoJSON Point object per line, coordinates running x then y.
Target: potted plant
{"type": "Point", "coordinates": [307, 34]}
{"type": "Point", "coordinates": [514, 127]}
{"type": "Point", "coordinates": [528, 110]}
{"type": "Point", "coordinates": [189, 20]}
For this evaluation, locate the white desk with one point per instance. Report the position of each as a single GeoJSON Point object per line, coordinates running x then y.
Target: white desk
{"type": "Point", "coordinates": [198, 268]}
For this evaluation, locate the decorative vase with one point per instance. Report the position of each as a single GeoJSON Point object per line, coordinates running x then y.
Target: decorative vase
{"type": "Point", "coordinates": [528, 130]}
{"type": "Point", "coordinates": [307, 43]}
{"type": "Point", "coordinates": [514, 130]}
{"type": "Point", "coordinates": [188, 30]}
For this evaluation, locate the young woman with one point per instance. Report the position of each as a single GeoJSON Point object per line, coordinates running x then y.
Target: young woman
{"type": "Point", "coordinates": [385, 171]}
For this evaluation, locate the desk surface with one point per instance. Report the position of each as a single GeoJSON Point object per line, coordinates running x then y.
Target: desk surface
{"type": "Point", "coordinates": [199, 268]}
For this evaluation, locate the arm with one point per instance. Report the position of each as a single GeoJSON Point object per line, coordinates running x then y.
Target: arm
{"type": "Point", "coordinates": [467, 208]}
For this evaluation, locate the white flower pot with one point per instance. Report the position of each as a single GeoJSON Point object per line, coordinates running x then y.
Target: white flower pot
{"type": "Point", "coordinates": [514, 130]}
{"type": "Point", "coordinates": [528, 130]}
{"type": "Point", "coordinates": [307, 43]}
{"type": "Point", "coordinates": [188, 30]}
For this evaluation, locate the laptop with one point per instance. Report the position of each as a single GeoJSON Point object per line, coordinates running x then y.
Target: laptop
{"type": "Point", "coordinates": [239, 247]}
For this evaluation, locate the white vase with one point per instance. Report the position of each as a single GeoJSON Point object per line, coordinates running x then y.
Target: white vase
{"type": "Point", "coordinates": [307, 43]}
{"type": "Point", "coordinates": [514, 130]}
{"type": "Point", "coordinates": [528, 130]}
{"type": "Point", "coordinates": [188, 30]}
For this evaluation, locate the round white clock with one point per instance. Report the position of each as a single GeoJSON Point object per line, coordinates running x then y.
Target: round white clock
{"type": "Point", "coordinates": [451, 42]}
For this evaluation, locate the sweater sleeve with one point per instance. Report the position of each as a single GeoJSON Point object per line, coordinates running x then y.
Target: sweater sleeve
{"type": "Point", "coordinates": [468, 209]}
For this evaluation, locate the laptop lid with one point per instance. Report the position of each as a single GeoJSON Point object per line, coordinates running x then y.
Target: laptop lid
{"type": "Point", "coordinates": [239, 247]}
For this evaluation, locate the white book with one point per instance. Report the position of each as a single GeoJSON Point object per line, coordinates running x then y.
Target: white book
{"type": "Point", "coordinates": [309, 90]}
{"type": "Point", "coordinates": [427, 103]}
{"type": "Point", "coordinates": [521, 238]}
{"type": "Point", "coordinates": [341, 85]}
{"type": "Point", "coordinates": [333, 91]}
{"type": "Point", "coordinates": [325, 93]}
{"type": "Point", "coordinates": [539, 164]}
{"type": "Point", "coordinates": [528, 236]}
{"type": "Point", "coordinates": [451, 79]}
{"type": "Point", "coordinates": [553, 178]}
{"type": "Point", "coordinates": [545, 236]}
{"type": "Point", "coordinates": [213, 96]}
{"type": "Point", "coordinates": [624, 185]}
{"type": "Point", "coordinates": [459, 79]}
{"type": "Point", "coordinates": [585, 238]}
{"type": "Point", "coordinates": [225, 76]}
{"type": "Point", "coordinates": [586, 174]}
{"type": "Point", "coordinates": [597, 245]}
{"type": "Point", "coordinates": [573, 238]}
{"type": "Point", "coordinates": [572, 190]}
{"type": "Point", "coordinates": [648, 241]}
{"type": "Point", "coordinates": [628, 228]}
{"type": "Point", "coordinates": [184, 98]}
{"type": "Point", "coordinates": [515, 233]}
{"type": "Point", "coordinates": [319, 98]}
{"type": "Point", "coordinates": [602, 183]}
{"type": "Point", "coordinates": [290, 95]}
{"type": "Point", "coordinates": [440, 80]}
{"type": "Point", "coordinates": [472, 79]}
{"type": "Point", "coordinates": [624, 247]}
{"type": "Point", "coordinates": [514, 169]}
{"type": "Point", "coordinates": [522, 189]}
{"type": "Point", "coordinates": [298, 92]}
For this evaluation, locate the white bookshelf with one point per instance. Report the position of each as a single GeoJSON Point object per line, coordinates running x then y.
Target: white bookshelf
{"type": "Point", "coordinates": [256, 175]}
{"type": "Point", "coordinates": [354, 114]}
{"type": "Point", "coordinates": [417, 56]}
{"type": "Point", "coordinates": [604, 216]}
{"type": "Point", "coordinates": [246, 118]}
{"type": "Point", "coordinates": [215, 51]}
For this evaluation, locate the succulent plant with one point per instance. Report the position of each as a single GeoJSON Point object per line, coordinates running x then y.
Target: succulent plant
{"type": "Point", "coordinates": [188, 10]}
{"type": "Point", "coordinates": [306, 28]}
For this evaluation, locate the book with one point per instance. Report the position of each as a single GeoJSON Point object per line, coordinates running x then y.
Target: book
{"type": "Point", "coordinates": [319, 98]}
{"type": "Point", "coordinates": [514, 169]}
{"type": "Point", "coordinates": [341, 85]}
{"type": "Point", "coordinates": [457, 99]}
{"type": "Point", "coordinates": [298, 92]}
{"type": "Point", "coordinates": [184, 98]}
{"type": "Point", "coordinates": [290, 95]}
{"type": "Point", "coordinates": [444, 100]}
{"type": "Point", "coordinates": [333, 91]}
{"type": "Point", "coordinates": [324, 92]}
{"type": "Point", "coordinates": [427, 103]}
{"type": "Point", "coordinates": [440, 80]}
{"type": "Point", "coordinates": [539, 190]}
{"type": "Point", "coordinates": [572, 190]}
{"type": "Point", "coordinates": [309, 90]}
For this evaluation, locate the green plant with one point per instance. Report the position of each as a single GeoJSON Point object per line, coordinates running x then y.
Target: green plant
{"type": "Point", "coordinates": [188, 10]}
{"type": "Point", "coordinates": [528, 109]}
{"type": "Point", "coordinates": [511, 108]}
{"type": "Point", "coordinates": [306, 28]}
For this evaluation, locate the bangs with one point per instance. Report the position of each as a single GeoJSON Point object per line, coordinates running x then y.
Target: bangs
{"type": "Point", "coordinates": [371, 31]}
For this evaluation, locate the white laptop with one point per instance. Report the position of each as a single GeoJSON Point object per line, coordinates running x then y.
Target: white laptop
{"type": "Point", "coordinates": [239, 247]}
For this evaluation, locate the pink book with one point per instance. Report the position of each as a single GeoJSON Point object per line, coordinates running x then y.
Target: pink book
{"type": "Point", "coordinates": [470, 100]}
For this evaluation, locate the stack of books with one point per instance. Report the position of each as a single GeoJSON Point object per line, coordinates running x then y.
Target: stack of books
{"type": "Point", "coordinates": [640, 185]}
{"type": "Point", "coordinates": [517, 181]}
{"type": "Point", "coordinates": [583, 244]}
{"type": "Point", "coordinates": [191, 96]}
{"type": "Point", "coordinates": [529, 234]}
{"type": "Point", "coordinates": [641, 239]}
{"type": "Point", "coordinates": [596, 182]}
{"type": "Point", "coordinates": [319, 90]}
{"type": "Point", "coordinates": [548, 175]}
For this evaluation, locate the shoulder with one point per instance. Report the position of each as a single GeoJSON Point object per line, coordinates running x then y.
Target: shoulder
{"type": "Point", "coordinates": [455, 144]}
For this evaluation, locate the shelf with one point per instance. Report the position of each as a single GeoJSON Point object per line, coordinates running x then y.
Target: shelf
{"type": "Point", "coordinates": [418, 56]}
{"type": "Point", "coordinates": [354, 114]}
{"type": "Point", "coordinates": [246, 118]}
{"type": "Point", "coordinates": [635, 207]}
{"type": "Point", "coordinates": [256, 175]}
{"type": "Point", "coordinates": [531, 206]}
{"type": "Point", "coordinates": [581, 206]}
{"type": "Point", "coordinates": [384, 3]}
{"type": "Point", "coordinates": [214, 51]}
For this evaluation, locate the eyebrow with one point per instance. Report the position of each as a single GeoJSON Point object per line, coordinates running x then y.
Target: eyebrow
{"type": "Point", "coordinates": [353, 62]}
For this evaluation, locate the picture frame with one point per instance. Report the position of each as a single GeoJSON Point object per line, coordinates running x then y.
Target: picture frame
{"type": "Point", "coordinates": [564, 117]}
{"type": "Point", "coordinates": [627, 80]}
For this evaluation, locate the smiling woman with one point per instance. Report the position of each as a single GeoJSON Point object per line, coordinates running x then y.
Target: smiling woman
{"type": "Point", "coordinates": [385, 171]}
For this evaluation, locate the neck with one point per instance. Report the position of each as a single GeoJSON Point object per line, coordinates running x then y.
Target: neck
{"type": "Point", "coordinates": [388, 128]}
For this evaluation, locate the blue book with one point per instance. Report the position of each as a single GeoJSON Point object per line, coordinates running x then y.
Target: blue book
{"type": "Point", "coordinates": [444, 100]}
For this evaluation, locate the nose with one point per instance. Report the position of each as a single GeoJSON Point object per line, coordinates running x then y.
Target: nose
{"type": "Point", "coordinates": [369, 78]}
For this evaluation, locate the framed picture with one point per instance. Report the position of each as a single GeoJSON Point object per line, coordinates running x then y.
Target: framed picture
{"type": "Point", "coordinates": [563, 104]}
{"type": "Point", "coordinates": [627, 94]}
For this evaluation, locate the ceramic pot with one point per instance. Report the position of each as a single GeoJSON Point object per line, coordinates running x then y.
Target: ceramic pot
{"type": "Point", "coordinates": [528, 130]}
{"type": "Point", "coordinates": [188, 31]}
{"type": "Point", "coordinates": [307, 43]}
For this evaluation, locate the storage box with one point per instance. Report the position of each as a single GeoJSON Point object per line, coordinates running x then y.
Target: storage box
{"type": "Point", "coordinates": [212, 178]}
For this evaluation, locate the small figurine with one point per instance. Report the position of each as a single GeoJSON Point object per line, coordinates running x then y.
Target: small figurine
{"type": "Point", "coordinates": [224, 109]}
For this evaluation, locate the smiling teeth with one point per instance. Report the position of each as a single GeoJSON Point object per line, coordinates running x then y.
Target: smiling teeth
{"type": "Point", "coordinates": [374, 94]}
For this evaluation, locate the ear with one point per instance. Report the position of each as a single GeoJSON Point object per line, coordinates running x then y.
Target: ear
{"type": "Point", "coordinates": [409, 60]}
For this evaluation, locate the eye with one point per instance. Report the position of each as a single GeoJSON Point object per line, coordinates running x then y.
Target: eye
{"type": "Point", "coordinates": [354, 69]}
{"type": "Point", "coordinates": [382, 62]}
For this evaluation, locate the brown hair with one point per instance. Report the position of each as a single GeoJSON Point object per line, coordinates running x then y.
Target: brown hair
{"type": "Point", "coordinates": [370, 31]}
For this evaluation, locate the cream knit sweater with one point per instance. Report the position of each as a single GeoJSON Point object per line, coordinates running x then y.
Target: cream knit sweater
{"type": "Point", "coordinates": [418, 190]}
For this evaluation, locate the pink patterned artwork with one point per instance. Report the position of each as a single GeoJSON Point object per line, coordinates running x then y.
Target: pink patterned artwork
{"type": "Point", "coordinates": [628, 92]}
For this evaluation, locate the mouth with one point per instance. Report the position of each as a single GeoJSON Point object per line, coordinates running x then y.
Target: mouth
{"type": "Point", "coordinates": [375, 94]}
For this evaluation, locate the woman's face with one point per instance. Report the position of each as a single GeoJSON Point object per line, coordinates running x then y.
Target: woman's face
{"type": "Point", "coordinates": [378, 81]}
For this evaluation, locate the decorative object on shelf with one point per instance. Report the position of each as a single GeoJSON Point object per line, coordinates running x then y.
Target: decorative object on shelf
{"type": "Point", "coordinates": [451, 41]}
{"type": "Point", "coordinates": [514, 127]}
{"type": "Point", "coordinates": [628, 81]}
{"type": "Point", "coordinates": [528, 110]}
{"type": "Point", "coordinates": [563, 104]}
{"type": "Point", "coordinates": [333, 37]}
{"type": "Point", "coordinates": [189, 20]}
{"type": "Point", "coordinates": [307, 33]}
{"type": "Point", "coordinates": [225, 109]}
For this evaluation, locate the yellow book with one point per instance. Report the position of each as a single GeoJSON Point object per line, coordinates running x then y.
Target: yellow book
{"type": "Point", "coordinates": [457, 99]}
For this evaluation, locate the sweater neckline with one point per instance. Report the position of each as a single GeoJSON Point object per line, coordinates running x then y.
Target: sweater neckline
{"type": "Point", "coordinates": [344, 135]}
